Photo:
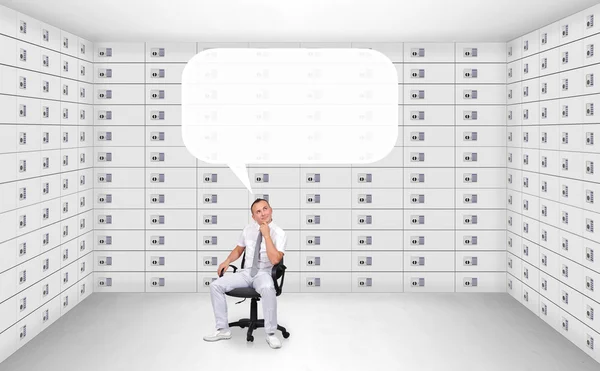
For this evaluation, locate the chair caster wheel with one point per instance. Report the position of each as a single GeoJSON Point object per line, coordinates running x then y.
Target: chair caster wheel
{"type": "Point", "coordinates": [286, 335]}
{"type": "Point", "coordinates": [250, 338]}
{"type": "Point", "coordinates": [242, 326]}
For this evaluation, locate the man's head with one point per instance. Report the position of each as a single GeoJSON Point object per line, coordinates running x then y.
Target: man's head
{"type": "Point", "coordinates": [261, 211]}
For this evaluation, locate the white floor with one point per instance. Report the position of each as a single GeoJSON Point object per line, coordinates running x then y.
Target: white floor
{"type": "Point", "coordinates": [127, 331]}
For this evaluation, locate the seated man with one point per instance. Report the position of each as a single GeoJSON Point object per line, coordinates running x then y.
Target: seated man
{"type": "Point", "coordinates": [270, 239]}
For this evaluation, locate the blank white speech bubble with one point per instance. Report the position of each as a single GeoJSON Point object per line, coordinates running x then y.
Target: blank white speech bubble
{"type": "Point", "coordinates": [289, 106]}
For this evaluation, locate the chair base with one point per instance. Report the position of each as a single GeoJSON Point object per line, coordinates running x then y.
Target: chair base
{"type": "Point", "coordinates": [253, 322]}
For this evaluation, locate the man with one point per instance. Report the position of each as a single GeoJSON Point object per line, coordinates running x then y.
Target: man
{"type": "Point", "coordinates": [272, 246]}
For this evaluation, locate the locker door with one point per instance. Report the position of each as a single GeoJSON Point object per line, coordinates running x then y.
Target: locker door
{"type": "Point", "coordinates": [530, 43]}
{"type": "Point", "coordinates": [531, 67]}
{"type": "Point", "coordinates": [531, 90]}
{"type": "Point", "coordinates": [28, 83]}
{"type": "Point", "coordinates": [513, 72]}
{"type": "Point", "coordinates": [590, 45]}
{"type": "Point", "coordinates": [571, 83]}
{"type": "Point", "coordinates": [118, 73]}
{"type": "Point", "coordinates": [69, 67]}
{"type": "Point", "coordinates": [514, 49]}
{"type": "Point", "coordinates": [28, 56]}
{"type": "Point", "coordinates": [590, 220]}
{"type": "Point", "coordinates": [119, 52]}
{"type": "Point", "coordinates": [428, 73]}
{"type": "Point", "coordinates": [429, 52]}
{"type": "Point", "coordinates": [571, 138]}
{"type": "Point", "coordinates": [28, 29]}
{"type": "Point", "coordinates": [530, 112]}
{"type": "Point", "coordinates": [513, 95]}
{"type": "Point", "coordinates": [571, 28]}
{"type": "Point", "coordinates": [69, 44]}
{"type": "Point", "coordinates": [571, 55]}
{"type": "Point", "coordinates": [169, 52]}
{"type": "Point", "coordinates": [164, 73]}
{"type": "Point", "coordinates": [590, 76]}
{"type": "Point", "coordinates": [50, 37]}
{"type": "Point", "coordinates": [85, 50]}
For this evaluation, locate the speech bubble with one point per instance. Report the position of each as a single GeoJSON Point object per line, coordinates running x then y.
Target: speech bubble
{"type": "Point", "coordinates": [289, 106]}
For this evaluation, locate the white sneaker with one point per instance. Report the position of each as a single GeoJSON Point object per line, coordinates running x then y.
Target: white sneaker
{"type": "Point", "coordinates": [219, 335]}
{"type": "Point", "coordinates": [273, 341]}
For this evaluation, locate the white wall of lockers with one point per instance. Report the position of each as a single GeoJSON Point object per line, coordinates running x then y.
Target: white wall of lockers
{"type": "Point", "coordinates": [46, 176]}
{"type": "Point", "coordinates": [553, 177]}
{"type": "Point", "coordinates": [99, 194]}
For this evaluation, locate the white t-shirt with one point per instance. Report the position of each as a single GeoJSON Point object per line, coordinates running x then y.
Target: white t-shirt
{"type": "Point", "coordinates": [248, 239]}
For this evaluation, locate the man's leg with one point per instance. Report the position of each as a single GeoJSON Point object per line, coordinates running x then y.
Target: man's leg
{"type": "Point", "coordinates": [218, 288]}
{"type": "Point", "coordinates": [263, 284]}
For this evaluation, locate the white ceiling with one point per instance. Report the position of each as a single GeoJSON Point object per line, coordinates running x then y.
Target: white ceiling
{"type": "Point", "coordinates": [299, 20]}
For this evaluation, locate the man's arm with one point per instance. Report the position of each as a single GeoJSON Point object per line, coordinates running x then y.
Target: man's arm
{"type": "Point", "coordinates": [272, 252]}
{"type": "Point", "coordinates": [235, 254]}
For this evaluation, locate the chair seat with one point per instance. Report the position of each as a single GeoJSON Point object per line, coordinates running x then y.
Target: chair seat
{"type": "Point", "coordinates": [243, 292]}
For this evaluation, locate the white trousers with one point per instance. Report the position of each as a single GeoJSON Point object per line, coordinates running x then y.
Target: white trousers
{"type": "Point", "coordinates": [262, 282]}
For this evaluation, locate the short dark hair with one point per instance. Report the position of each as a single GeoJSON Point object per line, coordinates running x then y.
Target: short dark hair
{"type": "Point", "coordinates": [257, 201]}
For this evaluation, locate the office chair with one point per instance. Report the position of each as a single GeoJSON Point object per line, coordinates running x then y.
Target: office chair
{"type": "Point", "coordinates": [248, 292]}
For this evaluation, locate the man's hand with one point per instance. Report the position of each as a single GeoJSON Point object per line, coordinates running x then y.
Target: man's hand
{"type": "Point", "coordinates": [264, 229]}
{"type": "Point", "coordinates": [223, 266]}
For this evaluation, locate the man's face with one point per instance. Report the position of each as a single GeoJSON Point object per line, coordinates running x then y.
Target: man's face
{"type": "Point", "coordinates": [261, 212]}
